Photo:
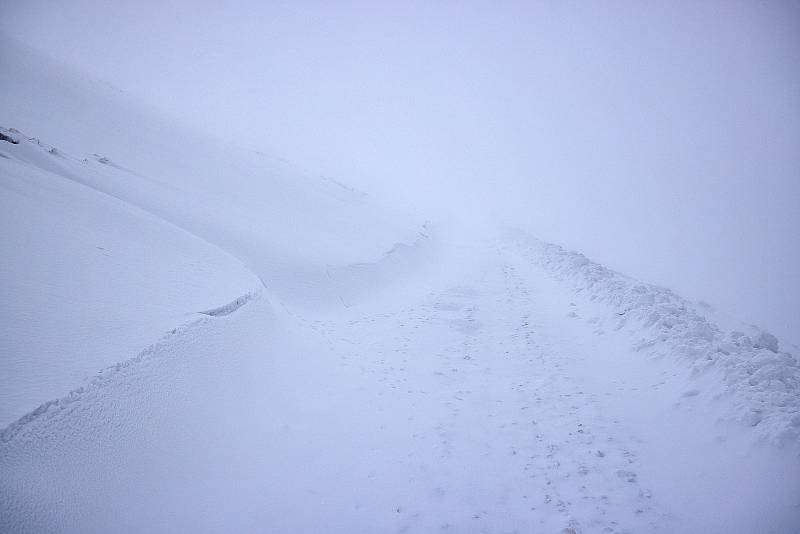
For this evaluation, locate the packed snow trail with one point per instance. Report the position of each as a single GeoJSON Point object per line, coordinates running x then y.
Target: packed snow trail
{"type": "Point", "coordinates": [476, 401]}
{"type": "Point", "coordinates": [503, 436]}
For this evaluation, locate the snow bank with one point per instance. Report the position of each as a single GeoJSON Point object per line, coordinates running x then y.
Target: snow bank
{"type": "Point", "coordinates": [761, 382]}
{"type": "Point", "coordinates": [87, 278]}
{"type": "Point", "coordinates": [121, 222]}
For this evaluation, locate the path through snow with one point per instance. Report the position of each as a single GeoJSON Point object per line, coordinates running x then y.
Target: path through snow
{"type": "Point", "coordinates": [505, 436]}
{"type": "Point", "coordinates": [490, 402]}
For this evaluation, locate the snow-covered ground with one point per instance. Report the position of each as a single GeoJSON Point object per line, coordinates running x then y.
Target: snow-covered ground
{"type": "Point", "coordinates": [118, 224]}
{"type": "Point", "coordinates": [232, 345]}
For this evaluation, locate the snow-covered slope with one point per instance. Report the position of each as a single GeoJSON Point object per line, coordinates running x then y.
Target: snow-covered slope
{"type": "Point", "coordinates": [117, 224]}
{"type": "Point", "coordinates": [242, 199]}
{"type": "Point", "coordinates": [88, 280]}
{"type": "Point", "coordinates": [280, 353]}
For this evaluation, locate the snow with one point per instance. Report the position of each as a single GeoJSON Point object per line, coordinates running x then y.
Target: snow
{"type": "Point", "coordinates": [115, 249]}
{"type": "Point", "coordinates": [88, 280]}
{"type": "Point", "coordinates": [764, 382]}
{"type": "Point", "coordinates": [232, 345]}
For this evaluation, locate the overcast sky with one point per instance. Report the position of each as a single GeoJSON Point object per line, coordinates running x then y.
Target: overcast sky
{"type": "Point", "coordinates": [661, 138]}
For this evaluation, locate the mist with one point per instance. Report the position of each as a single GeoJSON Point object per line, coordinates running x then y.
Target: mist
{"type": "Point", "coordinates": [661, 140]}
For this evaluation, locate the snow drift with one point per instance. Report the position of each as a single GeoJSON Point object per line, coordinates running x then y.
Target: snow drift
{"type": "Point", "coordinates": [119, 223]}
{"type": "Point", "coordinates": [761, 383]}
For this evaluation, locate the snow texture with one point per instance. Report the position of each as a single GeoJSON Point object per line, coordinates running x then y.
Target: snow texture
{"type": "Point", "coordinates": [327, 364]}
{"type": "Point", "coordinates": [763, 382]}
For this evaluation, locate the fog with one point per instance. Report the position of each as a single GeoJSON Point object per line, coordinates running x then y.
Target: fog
{"type": "Point", "coordinates": [663, 141]}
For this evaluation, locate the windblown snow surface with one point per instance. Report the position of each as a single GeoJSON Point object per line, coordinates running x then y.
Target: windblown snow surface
{"type": "Point", "coordinates": [234, 345]}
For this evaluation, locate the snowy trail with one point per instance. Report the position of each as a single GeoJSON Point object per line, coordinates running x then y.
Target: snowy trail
{"type": "Point", "coordinates": [482, 404]}
{"type": "Point", "coordinates": [506, 437]}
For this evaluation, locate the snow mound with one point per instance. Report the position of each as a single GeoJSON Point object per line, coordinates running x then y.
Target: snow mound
{"type": "Point", "coordinates": [762, 383]}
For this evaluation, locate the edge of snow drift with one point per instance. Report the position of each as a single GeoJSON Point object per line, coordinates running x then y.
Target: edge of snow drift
{"type": "Point", "coordinates": [763, 381]}
{"type": "Point", "coordinates": [106, 375]}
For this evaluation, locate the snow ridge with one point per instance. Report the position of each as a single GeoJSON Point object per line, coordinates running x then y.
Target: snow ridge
{"type": "Point", "coordinates": [230, 307]}
{"type": "Point", "coordinates": [106, 376]}
{"type": "Point", "coordinates": [762, 381]}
